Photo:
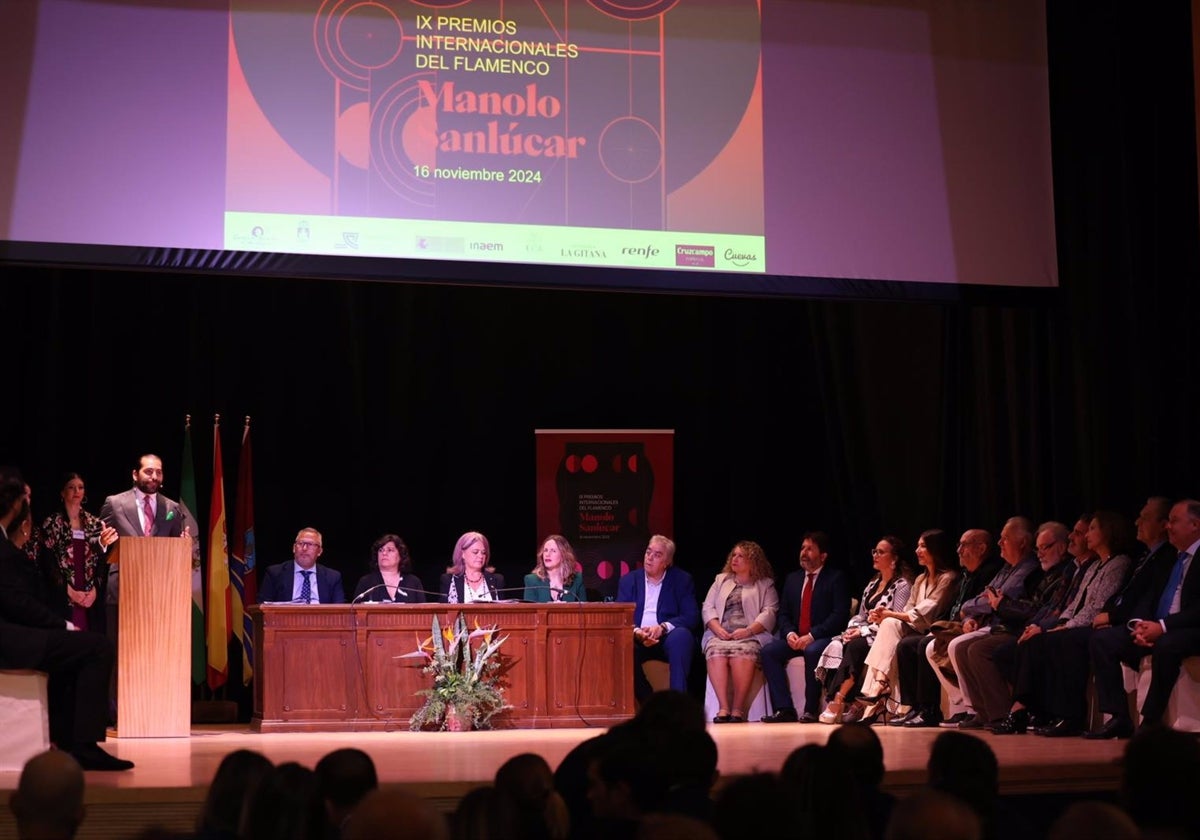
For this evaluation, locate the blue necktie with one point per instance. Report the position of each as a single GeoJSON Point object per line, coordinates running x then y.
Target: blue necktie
{"type": "Point", "coordinates": [306, 586]}
{"type": "Point", "coordinates": [1168, 594]}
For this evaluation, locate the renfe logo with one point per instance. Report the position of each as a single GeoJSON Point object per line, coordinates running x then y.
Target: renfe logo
{"type": "Point", "coordinates": [701, 256]}
{"type": "Point", "coordinates": [645, 252]}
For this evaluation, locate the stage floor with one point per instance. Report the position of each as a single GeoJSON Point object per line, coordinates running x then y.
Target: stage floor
{"type": "Point", "coordinates": [169, 782]}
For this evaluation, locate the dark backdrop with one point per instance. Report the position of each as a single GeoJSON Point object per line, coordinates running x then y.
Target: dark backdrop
{"type": "Point", "coordinates": [408, 407]}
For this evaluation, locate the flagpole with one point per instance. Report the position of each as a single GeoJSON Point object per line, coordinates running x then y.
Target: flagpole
{"type": "Point", "coordinates": [219, 607]}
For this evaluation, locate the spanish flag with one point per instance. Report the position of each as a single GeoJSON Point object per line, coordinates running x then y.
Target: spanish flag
{"type": "Point", "coordinates": [217, 614]}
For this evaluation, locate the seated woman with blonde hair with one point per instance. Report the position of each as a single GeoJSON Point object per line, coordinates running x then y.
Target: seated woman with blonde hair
{"type": "Point", "coordinates": [739, 615]}
{"type": "Point", "coordinates": [556, 575]}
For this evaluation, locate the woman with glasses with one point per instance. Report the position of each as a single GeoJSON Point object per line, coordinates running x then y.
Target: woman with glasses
{"type": "Point", "coordinates": [932, 593]}
{"type": "Point", "coordinates": [392, 579]}
{"type": "Point", "coordinates": [842, 665]}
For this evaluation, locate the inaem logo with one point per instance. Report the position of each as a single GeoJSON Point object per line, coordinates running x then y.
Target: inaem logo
{"type": "Point", "coordinates": [303, 231]}
{"type": "Point", "coordinates": [350, 239]}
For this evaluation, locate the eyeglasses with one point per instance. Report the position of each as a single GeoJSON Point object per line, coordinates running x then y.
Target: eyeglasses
{"type": "Point", "coordinates": [878, 551]}
{"type": "Point", "coordinates": [1044, 548]}
{"type": "Point", "coordinates": [307, 544]}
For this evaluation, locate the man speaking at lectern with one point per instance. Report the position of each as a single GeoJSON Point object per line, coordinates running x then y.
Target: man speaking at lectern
{"type": "Point", "coordinates": [142, 511]}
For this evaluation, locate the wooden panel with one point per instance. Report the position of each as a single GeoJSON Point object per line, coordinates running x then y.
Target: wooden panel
{"type": "Point", "coordinates": [344, 667]}
{"type": "Point", "coordinates": [155, 638]}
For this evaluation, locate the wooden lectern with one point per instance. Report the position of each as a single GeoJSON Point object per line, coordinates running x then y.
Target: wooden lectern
{"type": "Point", "coordinates": [154, 655]}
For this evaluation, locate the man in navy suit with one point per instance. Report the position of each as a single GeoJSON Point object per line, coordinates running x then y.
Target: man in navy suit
{"type": "Point", "coordinates": [300, 580]}
{"type": "Point", "coordinates": [805, 630]}
{"type": "Point", "coordinates": [666, 618]}
{"type": "Point", "coordinates": [1165, 627]}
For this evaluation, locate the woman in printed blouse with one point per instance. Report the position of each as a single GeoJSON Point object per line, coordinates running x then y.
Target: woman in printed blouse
{"type": "Point", "coordinates": [469, 577]}
{"type": "Point", "coordinates": [843, 665]}
{"type": "Point", "coordinates": [76, 542]}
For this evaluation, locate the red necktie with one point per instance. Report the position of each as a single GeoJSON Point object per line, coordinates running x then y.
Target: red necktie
{"type": "Point", "coordinates": [149, 512]}
{"type": "Point", "coordinates": [806, 605]}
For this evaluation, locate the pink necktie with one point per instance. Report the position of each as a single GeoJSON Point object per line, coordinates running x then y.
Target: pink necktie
{"type": "Point", "coordinates": [149, 511]}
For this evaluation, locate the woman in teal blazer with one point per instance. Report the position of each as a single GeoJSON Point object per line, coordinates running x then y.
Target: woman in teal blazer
{"type": "Point", "coordinates": [557, 576]}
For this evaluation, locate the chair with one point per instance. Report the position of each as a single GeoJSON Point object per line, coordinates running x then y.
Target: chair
{"type": "Point", "coordinates": [760, 703]}
{"type": "Point", "coordinates": [24, 722]}
{"type": "Point", "coordinates": [1183, 709]}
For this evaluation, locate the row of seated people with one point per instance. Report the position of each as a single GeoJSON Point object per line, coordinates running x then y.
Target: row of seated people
{"type": "Point", "coordinates": [556, 575]}
{"type": "Point", "coordinates": [1009, 640]}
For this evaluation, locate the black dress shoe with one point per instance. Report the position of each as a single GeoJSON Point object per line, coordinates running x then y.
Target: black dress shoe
{"type": "Point", "coordinates": [91, 757]}
{"type": "Point", "coordinates": [781, 716]}
{"type": "Point", "coordinates": [1015, 723]}
{"type": "Point", "coordinates": [904, 718]}
{"type": "Point", "coordinates": [808, 717]}
{"type": "Point", "coordinates": [1065, 728]}
{"type": "Point", "coordinates": [924, 719]}
{"type": "Point", "coordinates": [1049, 724]}
{"type": "Point", "coordinates": [1117, 727]}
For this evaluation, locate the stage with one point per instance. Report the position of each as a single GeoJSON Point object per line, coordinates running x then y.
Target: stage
{"type": "Point", "coordinates": [168, 784]}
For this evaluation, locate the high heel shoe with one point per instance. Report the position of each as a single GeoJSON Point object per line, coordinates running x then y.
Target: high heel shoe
{"type": "Point", "coordinates": [884, 690]}
{"type": "Point", "coordinates": [834, 710]}
{"type": "Point", "coordinates": [856, 712]}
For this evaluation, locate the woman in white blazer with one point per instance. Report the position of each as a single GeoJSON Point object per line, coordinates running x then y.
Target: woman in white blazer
{"type": "Point", "coordinates": [739, 615]}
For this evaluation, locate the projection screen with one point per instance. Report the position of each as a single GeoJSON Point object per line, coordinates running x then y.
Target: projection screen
{"type": "Point", "coordinates": [736, 146]}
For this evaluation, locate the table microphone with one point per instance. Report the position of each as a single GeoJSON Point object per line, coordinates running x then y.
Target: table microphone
{"type": "Point", "coordinates": [433, 596]}
{"type": "Point", "coordinates": [362, 595]}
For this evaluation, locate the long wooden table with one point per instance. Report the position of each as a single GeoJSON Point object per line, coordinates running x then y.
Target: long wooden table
{"type": "Point", "coordinates": [339, 667]}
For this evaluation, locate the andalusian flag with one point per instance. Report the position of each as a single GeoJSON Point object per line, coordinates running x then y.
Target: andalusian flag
{"type": "Point", "coordinates": [242, 567]}
{"type": "Point", "coordinates": [187, 495]}
{"type": "Point", "coordinates": [217, 615]}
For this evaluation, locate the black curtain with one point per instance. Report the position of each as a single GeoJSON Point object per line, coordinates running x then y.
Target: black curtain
{"type": "Point", "coordinates": [411, 408]}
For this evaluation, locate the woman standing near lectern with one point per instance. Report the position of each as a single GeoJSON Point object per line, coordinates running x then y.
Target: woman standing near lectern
{"type": "Point", "coordinates": [75, 541]}
{"type": "Point", "coordinates": [392, 580]}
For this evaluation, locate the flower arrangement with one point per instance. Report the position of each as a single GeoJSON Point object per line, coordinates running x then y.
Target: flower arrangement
{"type": "Point", "coordinates": [466, 692]}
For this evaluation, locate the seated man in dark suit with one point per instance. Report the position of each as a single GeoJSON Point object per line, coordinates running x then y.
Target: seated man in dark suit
{"type": "Point", "coordinates": [300, 580]}
{"type": "Point", "coordinates": [34, 636]}
{"type": "Point", "coordinates": [1166, 627]}
{"type": "Point", "coordinates": [666, 618]}
{"type": "Point", "coordinates": [814, 606]}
